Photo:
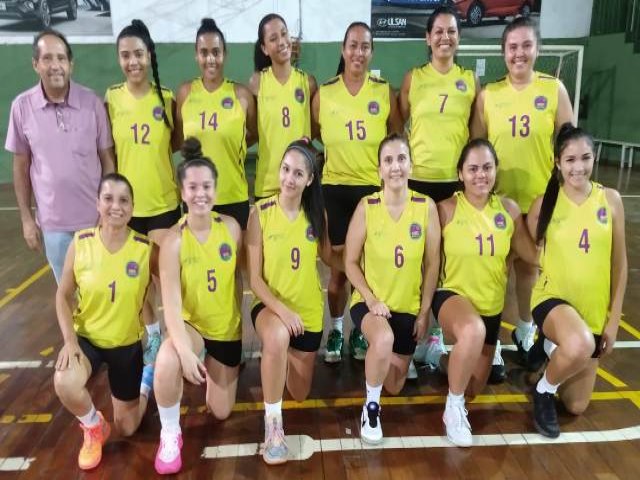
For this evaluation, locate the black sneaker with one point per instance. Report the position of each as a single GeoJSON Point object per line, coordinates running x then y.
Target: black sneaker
{"type": "Point", "coordinates": [536, 356]}
{"type": "Point", "coordinates": [498, 372]}
{"type": "Point", "coordinates": [545, 417]}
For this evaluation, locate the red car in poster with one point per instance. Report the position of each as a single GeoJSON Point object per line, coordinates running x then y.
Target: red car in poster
{"type": "Point", "coordinates": [473, 11]}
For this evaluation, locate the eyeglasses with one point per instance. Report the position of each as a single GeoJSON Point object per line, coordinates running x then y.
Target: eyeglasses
{"type": "Point", "coordinates": [60, 118]}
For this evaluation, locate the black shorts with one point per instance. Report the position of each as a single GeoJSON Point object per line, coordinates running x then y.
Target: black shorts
{"type": "Point", "coordinates": [124, 367]}
{"type": "Point", "coordinates": [164, 220]}
{"type": "Point", "coordinates": [227, 352]}
{"type": "Point", "coordinates": [239, 211]}
{"type": "Point", "coordinates": [542, 310]}
{"type": "Point", "coordinates": [437, 191]}
{"type": "Point", "coordinates": [340, 202]}
{"type": "Point", "coordinates": [491, 322]}
{"type": "Point", "coordinates": [307, 342]}
{"type": "Point", "coordinates": [401, 324]}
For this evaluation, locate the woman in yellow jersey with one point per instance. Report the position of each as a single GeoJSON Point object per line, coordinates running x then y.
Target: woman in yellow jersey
{"type": "Point", "coordinates": [222, 115]}
{"type": "Point", "coordinates": [519, 114]}
{"type": "Point", "coordinates": [109, 267]}
{"type": "Point", "coordinates": [479, 229]}
{"type": "Point", "coordinates": [354, 111]}
{"type": "Point", "coordinates": [284, 101]}
{"type": "Point", "coordinates": [391, 258]}
{"type": "Point", "coordinates": [141, 114]}
{"type": "Point", "coordinates": [286, 233]}
{"type": "Point", "coordinates": [201, 298]}
{"type": "Point", "coordinates": [437, 99]}
{"type": "Point", "coordinates": [577, 300]}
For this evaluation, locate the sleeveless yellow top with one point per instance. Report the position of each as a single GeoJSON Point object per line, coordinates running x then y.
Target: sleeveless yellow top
{"type": "Point", "coordinates": [208, 280]}
{"type": "Point", "coordinates": [111, 288]}
{"type": "Point", "coordinates": [520, 125]}
{"type": "Point", "coordinates": [284, 115]}
{"type": "Point", "coordinates": [393, 252]}
{"type": "Point", "coordinates": [440, 108]}
{"type": "Point", "coordinates": [475, 245]}
{"type": "Point", "coordinates": [352, 128]}
{"type": "Point", "coordinates": [143, 147]}
{"type": "Point", "coordinates": [576, 258]}
{"type": "Point", "coordinates": [218, 121]}
{"type": "Point", "coordinates": [289, 252]}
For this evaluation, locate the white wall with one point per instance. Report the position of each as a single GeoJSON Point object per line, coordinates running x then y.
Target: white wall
{"type": "Point", "coordinates": [565, 18]}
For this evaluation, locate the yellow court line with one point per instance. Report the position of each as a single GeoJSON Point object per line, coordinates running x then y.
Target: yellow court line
{"type": "Point", "coordinates": [508, 326]}
{"type": "Point", "coordinates": [633, 331]}
{"type": "Point", "coordinates": [4, 376]}
{"type": "Point", "coordinates": [612, 379]}
{"type": "Point", "coordinates": [13, 293]}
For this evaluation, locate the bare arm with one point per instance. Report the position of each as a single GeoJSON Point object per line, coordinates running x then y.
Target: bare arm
{"type": "Point", "coordinates": [176, 133]}
{"type": "Point", "coordinates": [532, 217]}
{"type": "Point", "coordinates": [315, 116]}
{"type": "Point", "coordinates": [405, 107]}
{"type": "Point", "coordinates": [564, 113]}
{"type": "Point", "coordinates": [178, 127]}
{"type": "Point", "coordinates": [394, 122]}
{"type": "Point", "coordinates": [65, 297]}
{"type": "Point", "coordinates": [521, 241]}
{"type": "Point", "coordinates": [478, 125]}
{"type": "Point", "coordinates": [431, 262]}
{"type": "Point", "coordinates": [249, 105]}
{"type": "Point", "coordinates": [254, 84]}
{"type": "Point", "coordinates": [330, 256]}
{"type": "Point", "coordinates": [107, 160]}
{"type": "Point", "coordinates": [22, 187]}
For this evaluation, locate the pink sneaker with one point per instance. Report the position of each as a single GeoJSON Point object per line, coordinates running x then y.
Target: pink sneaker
{"type": "Point", "coordinates": [168, 459]}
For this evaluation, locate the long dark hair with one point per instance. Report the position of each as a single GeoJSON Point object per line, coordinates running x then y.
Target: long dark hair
{"type": "Point", "coordinates": [472, 145]}
{"type": "Point", "coordinates": [344, 42]}
{"type": "Point", "coordinates": [117, 178]}
{"type": "Point", "coordinates": [568, 133]}
{"type": "Point", "coordinates": [442, 10]}
{"type": "Point", "coordinates": [209, 25]}
{"type": "Point", "coordinates": [260, 60]}
{"type": "Point", "coordinates": [192, 157]}
{"type": "Point", "coordinates": [312, 198]}
{"type": "Point", "coordinates": [139, 30]}
{"type": "Point", "coordinates": [520, 22]}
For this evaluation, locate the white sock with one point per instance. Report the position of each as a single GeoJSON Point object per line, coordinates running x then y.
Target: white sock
{"type": "Point", "coordinates": [153, 328]}
{"type": "Point", "coordinates": [273, 408]}
{"type": "Point", "coordinates": [549, 347]}
{"type": "Point", "coordinates": [522, 328]}
{"type": "Point", "coordinates": [373, 394]}
{"type": "Point", "coordinates": [544, 386]}
{"type": "Point", "coordinates": [336, 323]}
{"type": "Point", "coordinates": [454, 399]}
{"type": "Point", "coordinates": [91, 419]}
{"type": "Point", "coordinates": [170, 419]}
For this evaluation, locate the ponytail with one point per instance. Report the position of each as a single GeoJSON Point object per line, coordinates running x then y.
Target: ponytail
{"type": "Point", "coordinates": [344, 42]}
{"type": "Point", "coordinates": [260, 59]}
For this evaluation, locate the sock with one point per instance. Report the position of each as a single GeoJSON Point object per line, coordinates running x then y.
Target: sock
{"type": "Point", "coordinates": [337, 323]}
{"type": "Point", "coordinates": [373, 394]}
{"type": "Point", "coordinates": [454, 399]}
{"type": "Point", "coordinates": [153, 328]}
{"type": "Point", "coordinates": [549, 347]}
{"type": "Point", "coordinates": [273, 408]}
{"type": "Point", "coordinates": [544, 386]}
{"type": "Point", "coordinates": [522, 328]}
{"type": "Point", "coordinates": [170, 419]}
{"type": "Point", "coordinates": [91, 419]}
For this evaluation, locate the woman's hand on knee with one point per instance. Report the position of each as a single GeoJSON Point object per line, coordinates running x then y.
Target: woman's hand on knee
{"type": "Point", "coordinates": [193, 369]}
{"type": "Point", "coordinates": [378, 308]}
{"type": "Point", "coordinates": [292, 322]}
{"type": "Point", "coordinates": [70, 352]}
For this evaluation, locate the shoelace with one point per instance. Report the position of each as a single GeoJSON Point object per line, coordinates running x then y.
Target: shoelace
{"type": "Point", "coordinates": [92, 434]}
{"type": "Point", "coordinates": [461, 417]}
{"type": "Point", "coordinates": [169, 448]}
{"type": "Point", "coordinates": [275, 434]}
{"type": "Point", "coordinates": [529, 338]}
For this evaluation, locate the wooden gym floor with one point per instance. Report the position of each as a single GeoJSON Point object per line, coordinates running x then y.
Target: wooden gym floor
{"type": "Point", "coordinates": [39, 439]}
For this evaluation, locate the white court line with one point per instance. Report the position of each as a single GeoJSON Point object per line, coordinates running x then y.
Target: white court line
{"type": "Point", "coordinates": [13, 464]}
{"type": "Point", "coordinates": [10, 365]}
{"type": "Point", "coordinates": [302, 447]}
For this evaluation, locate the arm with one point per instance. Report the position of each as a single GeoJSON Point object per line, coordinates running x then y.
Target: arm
{"type": "Point", "coordinates": [249, 105]}
{"type": "Point", "coordinates": [291, 320]}
{"type": "Point", "coordinates": [22, 186]}
{"type": "Point", "coordinates": [564, 113]}
{"type": "Point", "coordinates": [618, 272]}
{"type": "Point", "coordinates": [431, 262]}
{"type": "Point", "coordinates": [478, 126]}
{"type": "Point", "coordinates": [236, 234]}
{"type": "Point", "coordinates": [354, 244]}
{"type": "Point", "coordinates": [192, 368]}
{"type": "Point", "coordinates": [394, 122]}
{"type": "Point", "coordinates": [104, 138]}
{"type": "Point", "coordinates": [521, 241]}
{"type": "Point", "coordinates": [254, 84]}
{"type": "Point", "coordinates": [405, 107]}
{"type": "Point", "coordinates": [532, 217]}
{"type": "Point", "coordinates": [330, 256]}
{"type": "Point", "coordinates": [178, 124]}
{"type": "Point", "coordinates": [65, 297]}
{"type": "Point", "coordinates": [315, 116]}
{"type": "Point", "coordinates": [176, 133]}
{"type": "Point", "coordinates": [107, 160]}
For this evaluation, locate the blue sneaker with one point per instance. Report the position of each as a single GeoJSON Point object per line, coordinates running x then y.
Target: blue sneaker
{"type": "Point", "coordinates": [274, 449]}
{"type": "Point", "coordinates": [146, 383]}
{"type": "Point", "coordinates": [151, 350]}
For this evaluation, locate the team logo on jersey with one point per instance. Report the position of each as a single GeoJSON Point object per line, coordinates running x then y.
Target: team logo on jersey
{"type": "Point", "coordinates": [132, 269]}
{"type": "Point", "coordinates": [461, 85]}
{"type": "Point", "coordinates": [158, 113]}
{"type": "Point", "coordinates": [227, 103]}
{"type": "Point", "coordinates": [299, 95]}
{"type": "Point", "coordinates": [310, 234]}
{"type": "Point", "coordinates": [374, 108]}
{"type": "Point", "coordinates": [601, 215]}
{"type": "Point", "coordinates": [225, 252]}
{"type": "Point", "coordinates": [500, 221]}
{"type": "Point", "coordinates": [540, 102]}
{"type": "Point", "coordinates": [415, 231]}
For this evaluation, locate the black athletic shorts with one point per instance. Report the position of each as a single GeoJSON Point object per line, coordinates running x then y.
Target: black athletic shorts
{"type": "Point", "coordinates": [307, 342]}
{"type": "Point", "coordinates": [340, 202]}
{"type": "Point", "coordinates": [540, 312]}
{"type": "Point", "coordinates": [124, 367]}
{"type": "Point", "coordinates": [164, 220]}
{"type": "Point", "coordinates": [437, 191]}
{"type": "Point", "coordinates": [401, 325]}
{"type": "Point", "coordinates": [227, 352]}
{"type": "Point", "coordinates": [239, 211]}
{"type": "Point", "coordinates": [491, 322]}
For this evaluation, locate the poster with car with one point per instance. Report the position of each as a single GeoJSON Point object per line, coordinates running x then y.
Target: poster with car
{"type": "Point", "coordinates": [20, 18]}
{"type": "Point", "coordinates": [480, 18]}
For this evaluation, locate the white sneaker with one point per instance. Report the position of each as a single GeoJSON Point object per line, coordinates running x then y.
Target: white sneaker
{"type": "Point", "coordinates": [457, 425]}
{"type": "Point", "coordinates": [526, 339]}
{"type": "Point", "coordinates": [370, 427]}
{"type": "Point", "coordinates": [412, 373]}
{"type": "Point", "coordinates": [498, 372]}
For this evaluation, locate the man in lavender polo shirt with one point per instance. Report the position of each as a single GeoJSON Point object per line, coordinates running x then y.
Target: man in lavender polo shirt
{"type": "Point", "coordinates": [61, 143]}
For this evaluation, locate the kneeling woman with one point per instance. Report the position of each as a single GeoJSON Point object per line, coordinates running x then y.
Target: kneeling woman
{"type": "Point", "coordinates": [577, 300]}
{"type": "Point", "coordinates": [391, 259]}
{"type": "Point", "coordinates": [285, 235]}
{"type": "Point", "coordinates": [110, 267]}
{"type": "Point", "coordinates": [479, 229]}
{"type": "Point", "coordinates": [198, 269]}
